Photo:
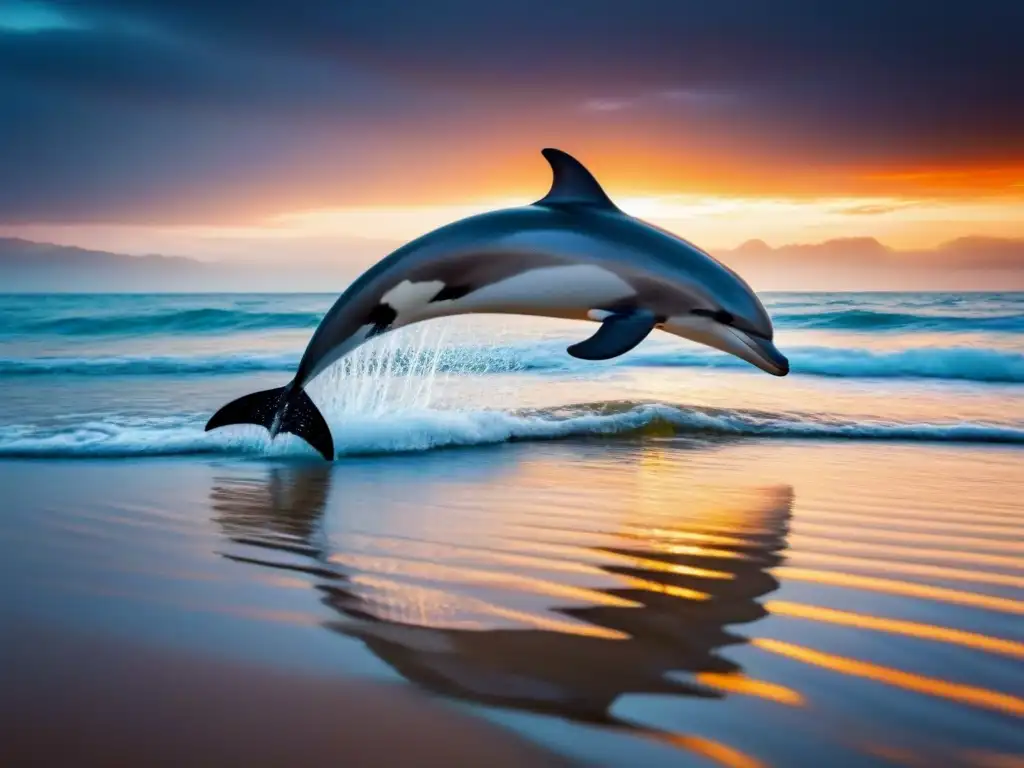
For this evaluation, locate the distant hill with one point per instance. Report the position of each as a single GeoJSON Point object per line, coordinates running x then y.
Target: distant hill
{"type": "Point", "coordinates": [862, 263]}
{"type": "Point", "coordinates": [975, 252]}
{"type": "Point", "coordinates": [29, 266]}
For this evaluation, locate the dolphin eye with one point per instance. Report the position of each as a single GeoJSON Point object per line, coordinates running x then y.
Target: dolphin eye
{"type": "Point", "coordinates": [718, 315]}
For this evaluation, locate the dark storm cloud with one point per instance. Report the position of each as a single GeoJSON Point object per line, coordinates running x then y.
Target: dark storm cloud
{"type": "Point", "coordinates": [136, 104]}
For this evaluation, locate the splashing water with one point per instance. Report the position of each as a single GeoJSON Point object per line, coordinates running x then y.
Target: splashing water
{"type": "Point", "coordinates": [402, 372]}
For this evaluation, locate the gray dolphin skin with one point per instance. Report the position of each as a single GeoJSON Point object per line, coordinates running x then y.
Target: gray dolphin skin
{"type": "Point", "coordinates": [571, 255]}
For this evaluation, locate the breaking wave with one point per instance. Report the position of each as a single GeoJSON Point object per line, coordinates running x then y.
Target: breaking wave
{"type": "Point", "coordinates": [422, 430]}
{"type": "Point", "coordinates": [872, 320]}
{"type": "Point", "coordinates": [953, 363]}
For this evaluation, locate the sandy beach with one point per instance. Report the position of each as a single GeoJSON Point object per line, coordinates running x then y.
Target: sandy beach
{"type": "Point", "coordinates": [70, 697]}
{"type": "Point", "coordinates": [720, 596]}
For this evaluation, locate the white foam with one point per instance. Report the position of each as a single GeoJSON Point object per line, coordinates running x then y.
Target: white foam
{"type": "Point", "coordinates": [420, 430]}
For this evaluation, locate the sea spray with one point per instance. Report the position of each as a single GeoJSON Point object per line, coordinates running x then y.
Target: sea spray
{"type": "Point", "coordinates": [401, 373]}
{"type": "Point", "coordinates": [380, 377]}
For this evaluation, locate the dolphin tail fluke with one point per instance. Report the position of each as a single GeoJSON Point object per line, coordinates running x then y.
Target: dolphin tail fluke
{"type": "Point", "coordinates": [285, 409]}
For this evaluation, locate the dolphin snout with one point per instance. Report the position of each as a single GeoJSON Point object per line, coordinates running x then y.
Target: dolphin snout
{"type": "Point", "coordinates": [756, 350]}
{"type": "Point", "coordinates": [766, 355]}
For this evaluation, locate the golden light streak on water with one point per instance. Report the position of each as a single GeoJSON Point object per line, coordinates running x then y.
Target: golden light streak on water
{"type": "Point", "coordinates": [914, 569]}
{"type": "Point", "coordinates": [905, 588]}
{"type": "Point", "coordinates": [897, 627]}
{"type": "Point", "coordinates": [963, 694]}
{"type": "Point", "coordinates": [738, 683]}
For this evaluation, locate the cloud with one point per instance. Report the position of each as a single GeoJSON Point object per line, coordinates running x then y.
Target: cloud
{"type": "Point", "coordinates": [161, 109]}
{"type": "Point", "coordinates": [112, 124]}
{"type": "Point", "coordinates": [677, 97]}
{"type": "Point", "coordinates": [869, 210]}
{"type": "Point", "coordinates": [608, 105]}
{"type": "Point", "coordinates": [874, 209]}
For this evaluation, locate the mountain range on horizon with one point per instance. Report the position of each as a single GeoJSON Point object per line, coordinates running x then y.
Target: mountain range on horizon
{"type": "Point", "coordinates": [969, 263]}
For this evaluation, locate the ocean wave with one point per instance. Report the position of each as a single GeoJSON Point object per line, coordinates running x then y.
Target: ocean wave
{"type": "Point", "coordinates": [147, 365]}
{"type": "Point", "coordinates": [431, 429]}
{"type": "Point", "coordinates": [204, 320]}
{"type": "Point", "coordinates": [825, 315]}
{"type": "Point", "coordinates": [874, 320]}
{"type": "Point", "coordinates": [950, 363]}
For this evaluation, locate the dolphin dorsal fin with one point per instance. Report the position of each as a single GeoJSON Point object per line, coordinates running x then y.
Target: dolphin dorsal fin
{"type": "Point", "coordinates": [572, 184]}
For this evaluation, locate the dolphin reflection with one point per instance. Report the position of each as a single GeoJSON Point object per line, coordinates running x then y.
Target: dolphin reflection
{"type": "Point", "coordinates": [674, 608]}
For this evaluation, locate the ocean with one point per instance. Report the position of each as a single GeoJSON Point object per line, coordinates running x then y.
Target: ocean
{"type": "Point", "coordinates": [668, 558]}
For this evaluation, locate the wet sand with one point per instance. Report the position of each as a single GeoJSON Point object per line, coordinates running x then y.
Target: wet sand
{"type": "Point", "coordinates": [70, 698]}
{"type": "Point", "coordinates": [637, 602]}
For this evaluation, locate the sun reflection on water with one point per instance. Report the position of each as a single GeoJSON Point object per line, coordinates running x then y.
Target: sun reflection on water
{"type": "Point", "coordinates": [560, 588]}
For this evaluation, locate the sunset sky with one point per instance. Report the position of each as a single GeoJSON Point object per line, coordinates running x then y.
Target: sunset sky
{"type": "Point", "coordinates": [218, 129]}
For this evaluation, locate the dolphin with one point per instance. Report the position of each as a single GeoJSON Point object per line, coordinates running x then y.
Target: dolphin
{"type": "Point", "coordinates": [572, 254]}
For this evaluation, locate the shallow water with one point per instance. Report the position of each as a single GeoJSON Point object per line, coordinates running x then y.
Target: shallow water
{"type": "Point", "coordinates": [659, 560]}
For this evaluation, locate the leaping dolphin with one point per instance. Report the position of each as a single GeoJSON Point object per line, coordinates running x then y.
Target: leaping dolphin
{"type": "Point", "coordinates": [572, 254]}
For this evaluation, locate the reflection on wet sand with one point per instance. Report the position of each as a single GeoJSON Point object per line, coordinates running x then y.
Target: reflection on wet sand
{"type": "Point", "coordinates": [281, 513]}
{"type": "Point", "coordinates": [658, 628]}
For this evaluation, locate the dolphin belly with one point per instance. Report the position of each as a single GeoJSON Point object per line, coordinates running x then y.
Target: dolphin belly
{"type": "Point", "coordinates": [568, 291]}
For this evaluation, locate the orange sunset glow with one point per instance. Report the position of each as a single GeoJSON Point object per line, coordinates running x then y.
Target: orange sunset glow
{"type": "Point", "coordinates": [712, 203]}
{"type": "Point", "coordinates": [334, 148]}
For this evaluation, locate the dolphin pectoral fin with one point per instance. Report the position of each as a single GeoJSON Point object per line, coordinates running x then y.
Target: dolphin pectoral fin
{"type": "Point", "coordinates": [618, 334]}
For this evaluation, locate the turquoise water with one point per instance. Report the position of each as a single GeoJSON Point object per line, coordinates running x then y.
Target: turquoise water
{"type": "Point", "coordinates": [666, 559]}
{"type": "Point", "coordinates": [126, 375]}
